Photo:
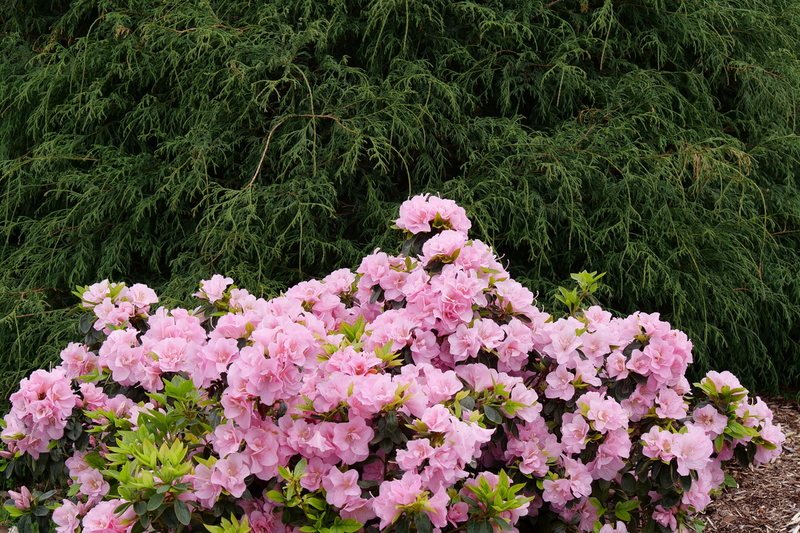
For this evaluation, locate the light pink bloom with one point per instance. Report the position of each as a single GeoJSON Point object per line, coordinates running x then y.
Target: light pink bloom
{"type": "Point", "coordinates": [615, 366]}
{"type": "Point", "coordinates": [261, 453]}
{"type": "Point", "coordinates": [416, 452]}
{"type": "Point", "coordinates": [670, 405]}
{"type": "Point", "coordinates": [666, 518]}
{"type": "Point", "coordinates": [437, 418]}
{"type": "Point", "coordinates": [67, 517]}
{"type": "Point", "coordinates": [438, 508]}
{"type": "Point", "coordinates": [172, 354]}
{"type": "Point", "coordinates": [606, 415]}
{"type": "Point", "coordinates": [557, 491]}
{"type": "Point", "coordinates": [358, 509]}
{"type": "Point", "coordinates": [227, 439]}
{"type": "Point", "coordinates": [92, 484]}
{"type": "Point", "coordinates": [464, 343]}
{"type": "Point", "coordinates": [620, 528]}
{"type": "Point", "coordinates": [214, 288]}
{"type": "Point", "coordinates": [721, 380]}
{"type": "Point", "coordinates": [205, 490]}
{"type": "Point", "coordinates": [693, 449]}
{"type": "Point", "coordinates": [559, 384]}
{"type": "Point", "coordinates": [230, 473]}
{"type": "Point", "coordinates": [565, 342]}
{"type": "Point", "coordinates": [711, 420]}
{"type": "Point", "coordinates": [77, 360]}
{"type": "Point", "coordinates": [142, 296]}
{"type": "Point", "coordinates": [415, 215]}
{"type": "Point", "coordinates": [341, 487]}
{"type": "Point", "coordinates": [574, 431]}
{"type": "Point", "coordinates": [442, 246]}
{"type": "Point", "coordinates": [22, 499]}
{"type": "Point", "coordinates": [772, 434]}
{"type": "Point", "coordinates": [352, 440]}
{"type": "Point", "coordinates": [448, 210]}
{"type": "Point", "coordinates": [394, 495]}
{"type": "Point", "coordinates": [658, 443]}
{"type": "Point", "coordinates": [441, 386]}
{"type": "Point", "coordinates": [312, 479]}
{"type": "Point", "coordinates": [458, 513]}
{"type": "Point", "coordinates": [96, 294]}
{"type": "Point", "coordinates": [102, 518]}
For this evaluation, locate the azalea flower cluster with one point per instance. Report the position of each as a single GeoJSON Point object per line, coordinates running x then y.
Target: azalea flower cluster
{"type": "Point", "coordinates": [423, 391]}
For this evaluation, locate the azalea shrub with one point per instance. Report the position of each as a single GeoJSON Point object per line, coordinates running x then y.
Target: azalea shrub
{"type": "Point", "coordinates": [424, 392]}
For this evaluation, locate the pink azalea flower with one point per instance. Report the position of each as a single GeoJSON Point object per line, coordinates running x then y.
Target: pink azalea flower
{"type": "Point", "coordinates": [102, 518]}
{"type": "Point", "coordinates": [341, 487]}
{"type": "Point", "coordinates": [205, 490]}
{"type": "Point", "coordinates": [22, 499]}
{"type": "Point", "coordinates": [352, 440]}
{"type": "Point", "coordinates": [77, 360]}
{"type": "Point", "coordinates": [67, 517]}
{"type": "Point", "coordinates": [670, 405]}
{"type": "Point", "coordinates": [557, 491]}
{"type": "Point", "coordinates": [443, 245]}
{"type": "Point", "coordinates": [615, 366]}
{"type": "Point", "coordinates": [774, 435]}
{"type": "Point", "coordinates": [230, 473]}
{"type": "Point", "coordinates": [92, 484]}
{"type": "Point", "coordinates": [315, 469]}
{"type": "Point", "coordinates": [458, 513]}
{"type": "Point", "coordinates": [574, 431]}
{"type": "Point", "coordinates": [416, 452]}
{"type": "Point", "coordinates": [693, 449]}
{"type": "Point", "coordinates": [227, 439]}
{"type": "Point", "coordinates": [722, 379]}
{"type": "Point", "coordinates": [559, 384]}
{"type": "Point", "coordinates": [711, 420]}
{"type": "Point", "coordinates": [394, 495]}
{"type": "Point", "coordinates": [213, 289]}
{"type": "Point", "coordinates": [620, 528]}
{"type": "Point", "coordinates": [415, 215]}
{"type": "Point", "coordinates": [607, 415]}
{"type": "Point", "coordinates": [142, 297]}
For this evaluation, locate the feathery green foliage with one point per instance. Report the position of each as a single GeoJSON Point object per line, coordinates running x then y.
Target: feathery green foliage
{"type": "Point", "coordinates": [163, 141]}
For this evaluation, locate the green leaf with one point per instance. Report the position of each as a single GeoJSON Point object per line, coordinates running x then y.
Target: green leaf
{"type": "Point", "coordinates": [137, 527]}
{"type": "Point", "coordinates": [504, 524]}
{"type": "Point", "coordinates": [492, 414]}
{"type": "Point", "coordinates": [155, 501]}
{"type": "Point", "coordinates": [350, 525]}
{"type": "Point", "coordinates": [182, 512]}
{"type": "Point", "coordinates": [423, 523]}
{"type": "Point", "coordinates": [669, 500]}
{"type": "Point", "coordinates": [24, 524]}
{"type": "Point", "coordinates": [94, 460]}
{"type": "Point", "coordinates": [300, 467]}
{"type": "Point", "coordinates": [314, 502]}
{"type": "Point", "coordinates": [467, 403]}
{"type": "Point", "coordinates": [628, 484]}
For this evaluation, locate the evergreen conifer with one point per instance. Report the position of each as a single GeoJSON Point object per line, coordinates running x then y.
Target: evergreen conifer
{"type": "Point", "coordinates": [163, 141]}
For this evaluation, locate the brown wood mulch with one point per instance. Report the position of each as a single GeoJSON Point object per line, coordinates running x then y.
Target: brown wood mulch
{"type": "Point", "coordinates": [768, 497]}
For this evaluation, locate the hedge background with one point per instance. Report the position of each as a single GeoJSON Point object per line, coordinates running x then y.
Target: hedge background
{"type": "Point", "coordinates": [163, 141]}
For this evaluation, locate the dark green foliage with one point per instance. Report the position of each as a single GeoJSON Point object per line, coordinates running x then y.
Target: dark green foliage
{"type": "Point", "coordinates": [162, 141]}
